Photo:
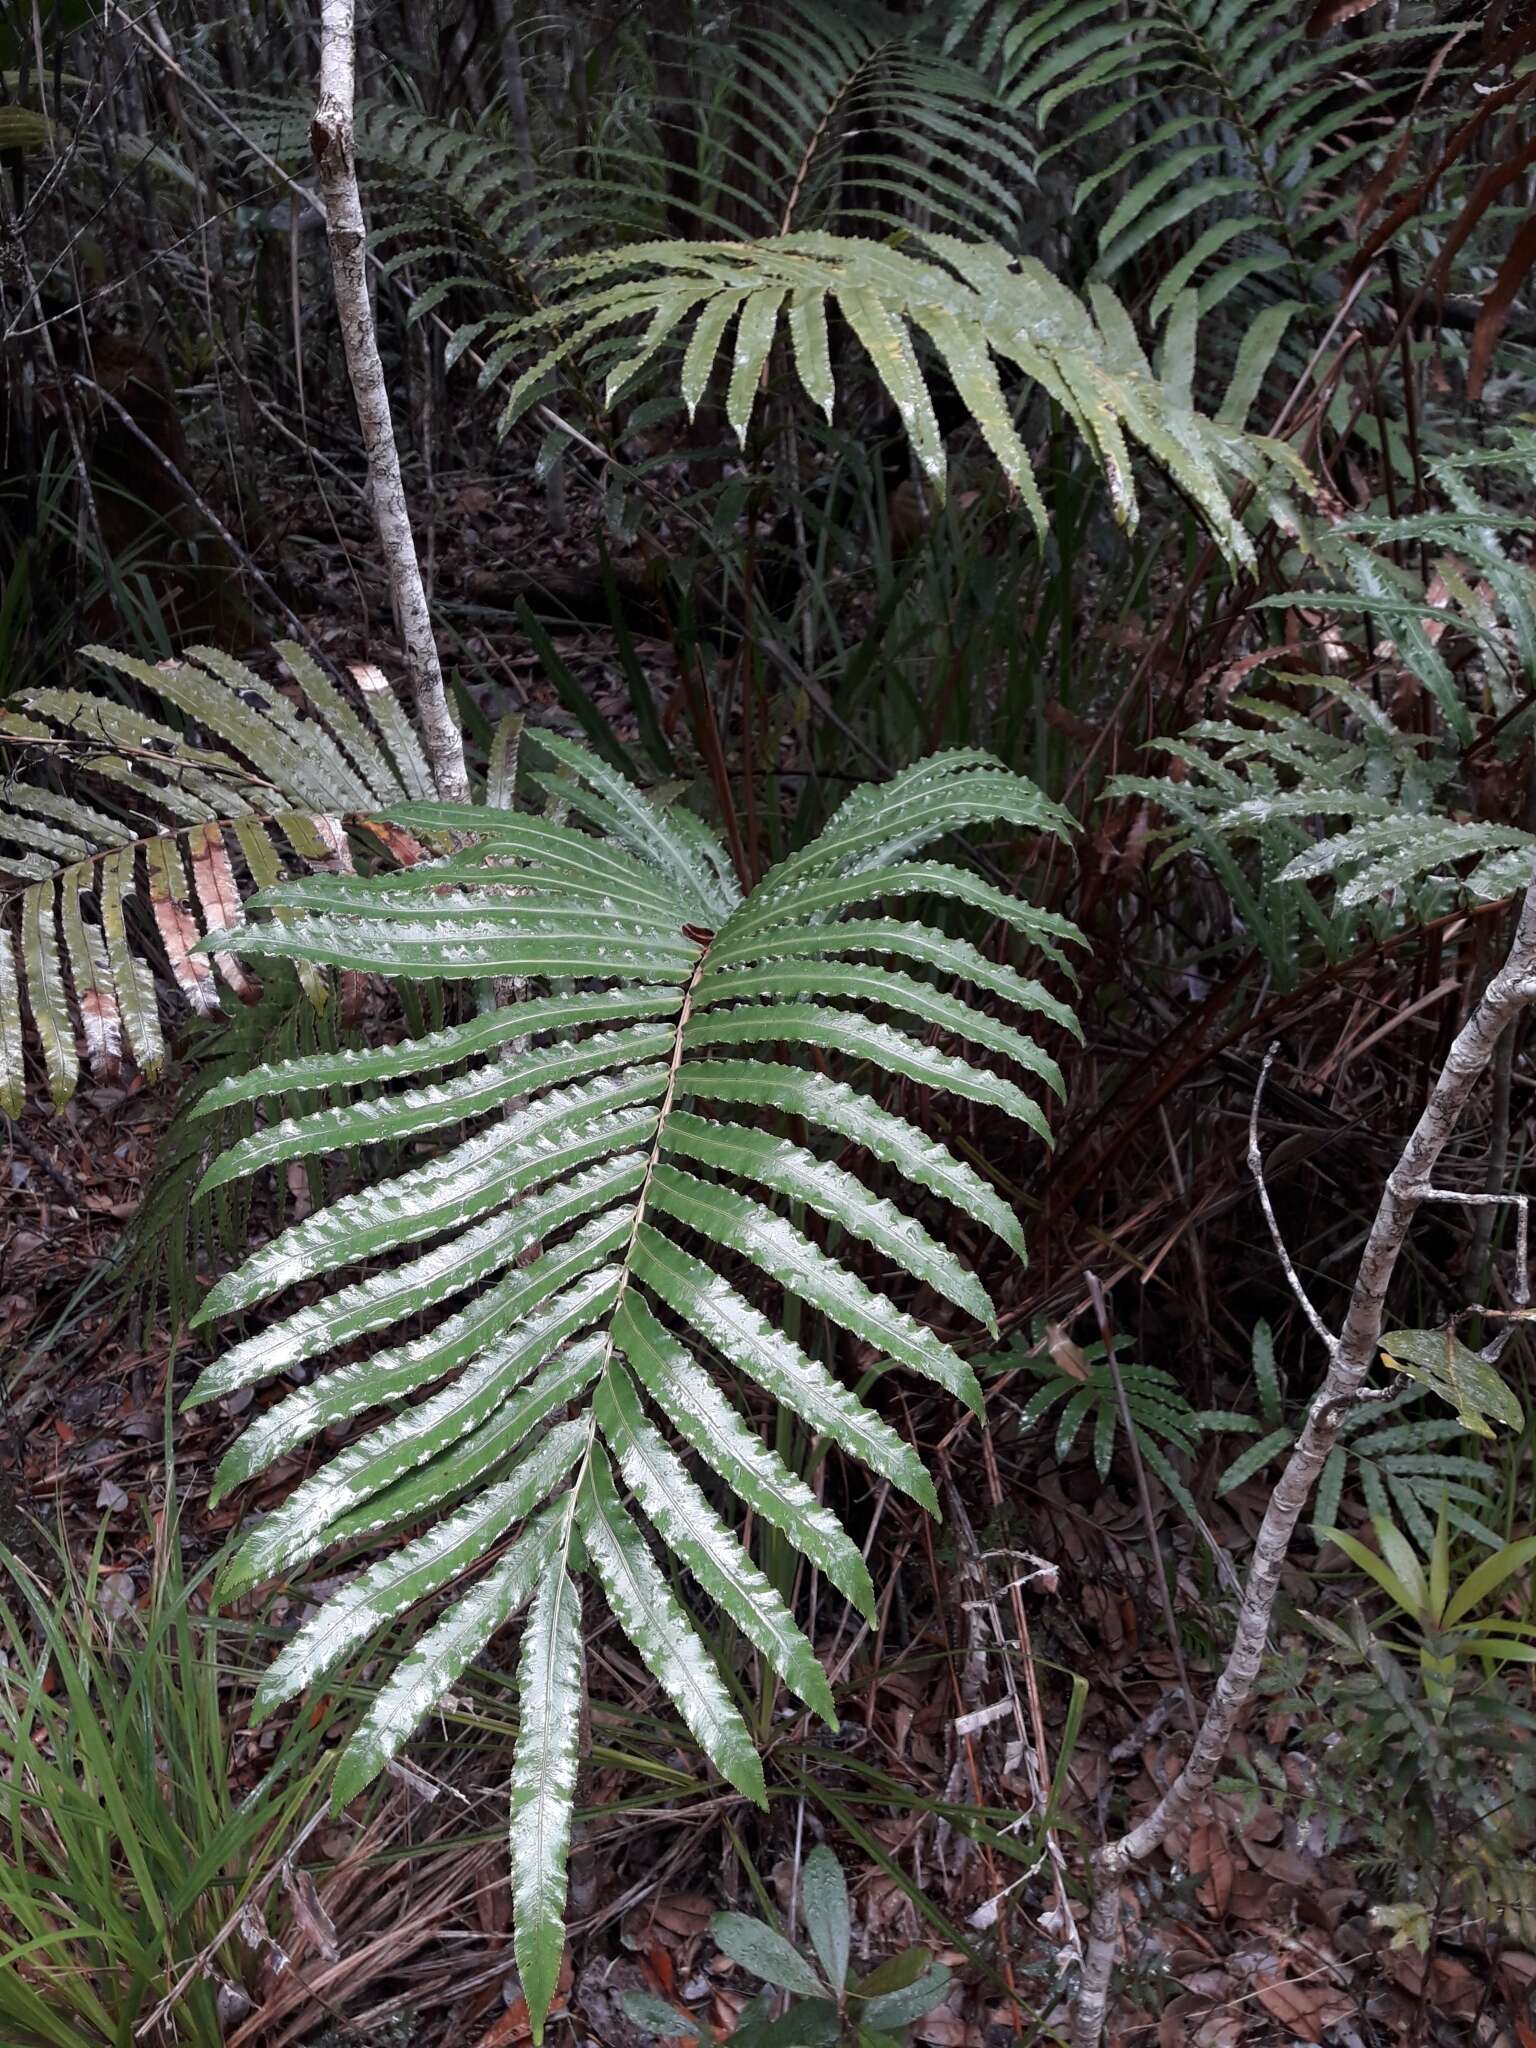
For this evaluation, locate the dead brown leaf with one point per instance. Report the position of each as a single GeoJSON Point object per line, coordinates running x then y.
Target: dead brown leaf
{"type": "Point", "coordinates": [1307, 2005]}
{"type": "Point", "coordinates": [1210, 1857]}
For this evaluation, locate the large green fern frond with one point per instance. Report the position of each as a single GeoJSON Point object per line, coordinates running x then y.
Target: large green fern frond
{"type": "Point", "coordinates": [624, 1163]}
{"type": "Point", "coordinates": [972, 305]}
{"type": "Point", "coordinates": [1368, 785]}
{"type": "Point", "coordinates": [819, 117]}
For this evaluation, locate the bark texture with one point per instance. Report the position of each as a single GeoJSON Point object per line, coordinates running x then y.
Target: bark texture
{"type": "Point", "coordinates": [331, 139]}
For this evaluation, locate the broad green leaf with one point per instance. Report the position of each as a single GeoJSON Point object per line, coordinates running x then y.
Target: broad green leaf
{"type": "Point", "coordinates": [1404, 1596]}
{"type": "Point", "coordinates": [766, 1954]}
{"type": "Point", "coordinates": [653, 2015]}
{"type": "Point", "coordinates": [896, 1973]}
{"type": "Point", "coordinates": [1400, 1555]}
{"type": "Point", "coordinates": [1498, 1649]}
{"type": "Point", "coordinates": [1439, 1360]}
{"type": "Point", "coordinates": [900, 2008]}
{"type": "Point", "coordinates": [824, 1903]}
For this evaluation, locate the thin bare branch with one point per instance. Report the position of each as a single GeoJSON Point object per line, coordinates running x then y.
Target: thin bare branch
{"type": "Point", "coordinates": [331, 139]}
{"type": "Point", "coordinates": [1256, 1168]}
{"type": "Point", "coordinates": [1351, 1356]}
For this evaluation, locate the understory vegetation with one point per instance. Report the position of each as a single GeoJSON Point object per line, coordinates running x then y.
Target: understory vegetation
{"type": "Point", "coordinates": [767, 913]}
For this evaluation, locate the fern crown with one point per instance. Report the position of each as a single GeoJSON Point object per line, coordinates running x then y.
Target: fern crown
{"type": "Point", "coordinates": [596, 1226]}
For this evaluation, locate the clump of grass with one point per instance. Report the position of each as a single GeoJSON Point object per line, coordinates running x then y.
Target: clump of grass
{"type": "Point", "coordinates": [126, 1854]}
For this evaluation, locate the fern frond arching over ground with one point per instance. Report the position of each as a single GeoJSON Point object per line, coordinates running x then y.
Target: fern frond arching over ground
{"type": "Point", "coordinates": [975, 307]}
{"type": "Point", "coordinates": [974, 474]}
{"type": "Point", "coordinates": [637, 1126]}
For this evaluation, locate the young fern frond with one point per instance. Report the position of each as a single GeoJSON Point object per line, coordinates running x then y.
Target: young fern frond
{"type": "Point", "coordinates": [244, 782]}
{"type": "Point", "coordinates": [1164, 1422]}
{"type": "Point", "coordinates": [969, 302]}
{"type": "Point", "coordinates": [624, 1194]}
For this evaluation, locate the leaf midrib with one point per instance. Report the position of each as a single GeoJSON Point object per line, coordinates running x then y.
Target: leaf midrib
{"type": "Point", "coordinates": [626, 1258]}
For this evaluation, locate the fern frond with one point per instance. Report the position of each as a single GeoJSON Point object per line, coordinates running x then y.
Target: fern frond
{"type": "Point", "coordinates": [1341, 793]}
{"type": "Point", "coordinates": [1407, 1469]}
{"type": "Point", "coordinates": [1261, 800]}
{"type": "Point", "coordinates": [1218, 131]}
{"type": "Point", "coordinates": [972, 305]}
{"type": "Point", "coordinates": [1161, 1417]}
{"type": "Point", "coordinates": [821, 117]}
{"type": "Point", "coordinates": [629, 1145]}
{"type": "Point", "coordinates": [187, 816]}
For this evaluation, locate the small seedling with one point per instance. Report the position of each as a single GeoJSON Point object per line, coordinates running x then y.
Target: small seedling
{"type": "Point", "coordinates": [828, 2007]}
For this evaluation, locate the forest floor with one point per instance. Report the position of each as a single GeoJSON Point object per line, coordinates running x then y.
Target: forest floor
{"type": "Point", "coordinates": [1250, 1932]}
